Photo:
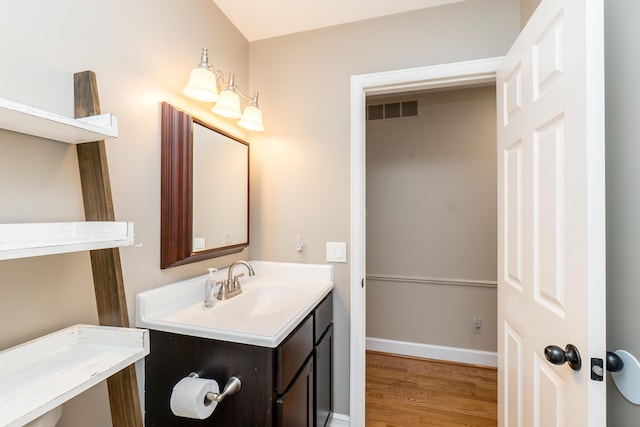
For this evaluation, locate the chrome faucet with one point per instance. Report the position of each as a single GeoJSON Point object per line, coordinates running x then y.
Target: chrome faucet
{"type": "Point", "coordinates": [231, 286]}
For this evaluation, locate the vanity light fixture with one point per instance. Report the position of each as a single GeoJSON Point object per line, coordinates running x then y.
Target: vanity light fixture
{"type": "Point", "coordinates": [203, 86]}
{"type": "Point", "coordinates": [229, 103]}
{"type": "Point", "coordinates": [252, 116]}
{"type": "Point", "coordinates": [202, 82]}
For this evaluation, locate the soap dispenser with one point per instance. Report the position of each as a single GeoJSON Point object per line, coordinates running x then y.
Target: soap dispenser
{"type": "Point", "coordinates": [209, 289]}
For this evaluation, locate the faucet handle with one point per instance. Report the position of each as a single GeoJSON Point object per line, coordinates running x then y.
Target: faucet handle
{"type": "Point", "coordinates": [236, 282]}
{"type": "Point", "coordinates": [224, 286]}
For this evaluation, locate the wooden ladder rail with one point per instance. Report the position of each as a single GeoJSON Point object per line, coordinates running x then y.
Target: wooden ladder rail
{"type": "Point", "coordinates": [105, 263]}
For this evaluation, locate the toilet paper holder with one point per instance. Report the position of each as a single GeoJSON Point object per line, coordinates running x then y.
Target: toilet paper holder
{"type": "Point", "coordinates": [232, 386]}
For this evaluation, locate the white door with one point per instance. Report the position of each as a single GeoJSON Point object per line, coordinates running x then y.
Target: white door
{"type": "Point", "coordinates": [551, 223]}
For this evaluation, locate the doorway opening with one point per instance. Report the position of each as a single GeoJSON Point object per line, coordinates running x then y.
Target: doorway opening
{"type": "Point", "coordinates": [431, 250]}
{"type": "Point", "coordinates": [479, 72]}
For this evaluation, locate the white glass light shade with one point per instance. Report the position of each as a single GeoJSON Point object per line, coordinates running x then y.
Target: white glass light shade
{"type": "Point", "coordinates": [251, 119]}
{"type": "Point", "coordinates": [228, 105]}
{"type": "Point", "coordinates": [202, 86]}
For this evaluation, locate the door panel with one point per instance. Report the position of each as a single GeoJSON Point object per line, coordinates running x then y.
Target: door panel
{"type": "Point", "coordinates": [551, 286]}
{"type": "Point", "coordinates": [548, 395]}
{"type": "Point", "coordinates": [513, 215]}
{"type": "Point", "coordinates": [548, 57]}
{"type": "Point", "coordinates": [513, 381]}
{"type": "Point", "coordinates": [548, 217]}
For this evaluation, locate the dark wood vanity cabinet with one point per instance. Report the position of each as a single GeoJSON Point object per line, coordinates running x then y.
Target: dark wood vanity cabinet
{"type": "Point", "coordinates": [308, 399]}
{"type": "Point", "coordinates": [286, 386]}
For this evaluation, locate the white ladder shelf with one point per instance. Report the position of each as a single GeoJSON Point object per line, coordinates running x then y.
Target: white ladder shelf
{"type": "Point", "coordinates": [44, 373]}
{"type": "Point", "coordinates": [32, 121]}
{"type": "Point", "coordinates": [36, 239]}
{"type": "Point", "coordinates": [37, 376]}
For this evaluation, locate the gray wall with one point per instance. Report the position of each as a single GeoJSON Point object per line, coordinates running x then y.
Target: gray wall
{"type": "Point", "coordinates": [301, 164]}
{"type": "Point", "coordinates": [527, 7]}
{"type": "Point", "coordinates": [431, 213]}
{"type": "Point", "coordinates": [622, 38]}
{"type": "Point", "coordinates": [142, 53]}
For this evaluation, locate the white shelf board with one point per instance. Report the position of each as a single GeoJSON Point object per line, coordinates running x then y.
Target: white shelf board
{"type": "Point", "coordinates": [36, 239]}
{"type": "Point", "coordinates": [33, 121]}
{"type": "Point", "coordinates": [42, 374]}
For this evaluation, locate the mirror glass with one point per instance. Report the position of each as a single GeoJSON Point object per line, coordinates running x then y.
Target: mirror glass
{"type": "Point", "coordinates": [220, 190]}
{"type": "Point", "coordinates": [204, 191]}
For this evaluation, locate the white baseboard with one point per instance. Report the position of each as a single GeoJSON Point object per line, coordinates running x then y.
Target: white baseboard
{"type": "Point", "coordinates": [437, 352]}
{"type": "Point", "coordinates": [339, 420]}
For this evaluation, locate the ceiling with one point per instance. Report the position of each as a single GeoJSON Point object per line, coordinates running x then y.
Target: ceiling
{"type": "Point", "coordinates": [262, 19]}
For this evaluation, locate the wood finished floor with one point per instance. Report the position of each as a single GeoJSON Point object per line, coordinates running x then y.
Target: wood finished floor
{"type": "Point", "coordinates": [407, 392]}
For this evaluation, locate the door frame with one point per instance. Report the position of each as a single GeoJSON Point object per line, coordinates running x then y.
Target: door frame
{"type": "Point", "coordinates": [459, 74]}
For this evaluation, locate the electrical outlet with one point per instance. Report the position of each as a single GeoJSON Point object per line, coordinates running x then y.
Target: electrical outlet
{"type": "Point", "coordinates": [477, 324]}
{"type": "Point", "coordinates": [300, 247]}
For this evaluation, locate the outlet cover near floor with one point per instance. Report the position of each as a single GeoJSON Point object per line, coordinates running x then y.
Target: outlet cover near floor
{"type": "Point", "coordinates": [336, 252]}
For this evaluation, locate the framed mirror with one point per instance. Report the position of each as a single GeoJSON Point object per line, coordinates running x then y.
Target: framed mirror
{"type": "Point", "coordinates": [204, 190]}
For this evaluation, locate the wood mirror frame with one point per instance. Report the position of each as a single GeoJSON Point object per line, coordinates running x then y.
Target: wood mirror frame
{"type": "Point", "coordinates": [176, 192]}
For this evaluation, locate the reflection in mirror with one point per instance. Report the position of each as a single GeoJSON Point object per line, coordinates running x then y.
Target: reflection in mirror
{"type": "Point", "coordinates": [218, 159]}
{"type": "Point", "coordinates": [204, 190]}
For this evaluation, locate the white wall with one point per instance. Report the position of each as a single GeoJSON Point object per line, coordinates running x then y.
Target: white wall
{"type": "Point", "coordinates": [300, 170]}
{"type": "Point", "coordinates": [431, 213]}
{"type": "Point", "coordinates": [142, 52]}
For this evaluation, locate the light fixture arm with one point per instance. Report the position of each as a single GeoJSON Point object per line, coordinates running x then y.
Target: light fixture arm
{"type": "Point", "coordinates": [230, 80]}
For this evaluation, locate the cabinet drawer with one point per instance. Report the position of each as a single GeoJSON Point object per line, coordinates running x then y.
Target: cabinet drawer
{"type": "Point", "coordinates": [293, 352]}
{"type": "Point", "coordinates": [323, 316]}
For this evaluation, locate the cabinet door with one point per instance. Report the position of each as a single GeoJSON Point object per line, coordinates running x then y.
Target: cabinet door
{"type": "Point", "coordinates": [323, 376]}
{"type": "Point", "coordinates": [295, 407]}
{"type": "Point", "coordinates": [174, 356]}
{"type": "Point", "coordinates": [292, 353]}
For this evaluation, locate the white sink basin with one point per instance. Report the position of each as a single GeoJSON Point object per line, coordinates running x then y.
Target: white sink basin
{"type": "Point", "coordinates": [272, 303]}
{"type": "Point", "coordinates": [262, 297]}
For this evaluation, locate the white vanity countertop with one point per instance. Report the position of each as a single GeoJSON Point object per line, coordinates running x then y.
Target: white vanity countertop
{"type": "Point", "coordinates": [272, 304]}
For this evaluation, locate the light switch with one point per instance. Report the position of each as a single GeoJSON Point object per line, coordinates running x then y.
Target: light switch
{"type": "Point", "coordinates": [336, 252]}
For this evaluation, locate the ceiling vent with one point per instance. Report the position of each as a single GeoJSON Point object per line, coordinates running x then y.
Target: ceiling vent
{"type": "Point", "coordinates": [392, 110]}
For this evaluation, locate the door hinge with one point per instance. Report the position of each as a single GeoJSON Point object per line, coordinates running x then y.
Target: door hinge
{"type": "Point", "coordinates": [597, 369]}
{"type": "Point", "coordinates": [362, 283]}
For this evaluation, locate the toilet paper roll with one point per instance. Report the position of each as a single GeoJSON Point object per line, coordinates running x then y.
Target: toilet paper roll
{"type": "Point", "coordinates": [188, 398]}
